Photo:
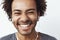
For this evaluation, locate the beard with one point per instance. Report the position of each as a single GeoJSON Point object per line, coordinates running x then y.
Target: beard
{"type": "Point", "coordinates": [25, 27]}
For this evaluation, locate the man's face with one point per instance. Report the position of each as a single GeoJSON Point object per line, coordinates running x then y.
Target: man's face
{"type": "Point", "coordinates": [24, 15]}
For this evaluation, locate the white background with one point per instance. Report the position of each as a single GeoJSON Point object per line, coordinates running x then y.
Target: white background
{"type": "Point", "coordinates": [48, 24]}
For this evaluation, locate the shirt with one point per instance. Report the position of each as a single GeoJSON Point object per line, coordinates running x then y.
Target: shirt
{"type": "Point", "coordinates": [42, 36]}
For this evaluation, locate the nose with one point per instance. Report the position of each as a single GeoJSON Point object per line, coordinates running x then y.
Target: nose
{"type": "Point", "coordinates": [24, 18]}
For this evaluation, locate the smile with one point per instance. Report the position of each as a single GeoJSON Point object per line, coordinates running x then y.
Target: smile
{"type": "Point", "coordinates": [24, 26]}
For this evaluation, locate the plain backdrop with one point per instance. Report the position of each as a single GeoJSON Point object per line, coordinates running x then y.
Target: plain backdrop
{"type": "Point", "coordinates": [48, 24]}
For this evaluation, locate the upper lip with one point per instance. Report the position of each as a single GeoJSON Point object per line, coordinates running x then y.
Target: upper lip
{"type": "Point", "coordinates": [25, 25]}
{"type": "Point", "coordinates": [21, 23]}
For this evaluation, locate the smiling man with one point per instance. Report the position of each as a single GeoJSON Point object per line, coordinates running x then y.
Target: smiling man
{"type": "Point", "coordinates": [24, 14]}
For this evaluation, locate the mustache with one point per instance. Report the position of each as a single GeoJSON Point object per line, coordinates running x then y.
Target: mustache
{"type": "Point", "coordinates": [24, 22]}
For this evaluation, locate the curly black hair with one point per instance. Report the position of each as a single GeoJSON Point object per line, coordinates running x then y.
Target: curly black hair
{"type": "Point", "coordinates": [41, 7]}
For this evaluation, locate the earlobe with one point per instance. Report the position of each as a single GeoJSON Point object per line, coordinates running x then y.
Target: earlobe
{"type": "Point", "coordinates": [38, 18]}
{"type": "Point", "coordinates": [38, 15]}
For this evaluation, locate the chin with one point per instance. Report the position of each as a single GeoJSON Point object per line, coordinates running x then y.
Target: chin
{"type": "Point", "coordinates": [25, 33]}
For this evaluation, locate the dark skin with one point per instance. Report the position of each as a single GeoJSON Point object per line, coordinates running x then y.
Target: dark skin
{"type": "Point", "coordinates": [24, 18]}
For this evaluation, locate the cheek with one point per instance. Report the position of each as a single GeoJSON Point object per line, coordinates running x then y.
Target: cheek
{"type": "Point", "coordinates": [14, 20]}
{"type": "Point", "coordinates": [33, 18]}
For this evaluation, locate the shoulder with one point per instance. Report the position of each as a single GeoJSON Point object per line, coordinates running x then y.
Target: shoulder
{"type": "Point", "coordinates": [8, 37]}
{"type": "Point", "coordinates": [46, 37]}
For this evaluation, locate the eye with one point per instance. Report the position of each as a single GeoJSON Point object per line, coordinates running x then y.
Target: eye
{"type": "Point", "coordinates": [17, 13]}
{"type": "Point", "coordinates": [30, 12]}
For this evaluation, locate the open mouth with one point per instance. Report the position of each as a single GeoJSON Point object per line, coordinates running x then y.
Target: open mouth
{"type": "Point", "coordinates": [24, 26]}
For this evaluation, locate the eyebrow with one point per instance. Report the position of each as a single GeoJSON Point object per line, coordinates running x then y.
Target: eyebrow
{"type": "Point", "coordinates": [17, 10]}
{"type": "Point", "coordinates": [21, 10]}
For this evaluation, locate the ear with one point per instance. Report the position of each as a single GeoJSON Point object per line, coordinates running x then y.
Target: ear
{"type": "Point", "coordinates": [38, 15]}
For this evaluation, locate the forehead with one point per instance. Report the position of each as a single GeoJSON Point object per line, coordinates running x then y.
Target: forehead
{"type": "Point", "coordinates": [23, 4]}
{"type": "Point", "coordinates": [24, 0]}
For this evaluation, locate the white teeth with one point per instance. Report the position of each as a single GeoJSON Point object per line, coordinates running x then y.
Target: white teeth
{"type": "Point", "coordinates": [24, 25]}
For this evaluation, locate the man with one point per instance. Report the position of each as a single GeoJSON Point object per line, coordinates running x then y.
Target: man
{"type": "Point", "coordinates": [24, 14]}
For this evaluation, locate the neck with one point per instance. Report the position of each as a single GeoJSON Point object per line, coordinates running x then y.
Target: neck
{"type": "Point", "coordinates": [30, 36]}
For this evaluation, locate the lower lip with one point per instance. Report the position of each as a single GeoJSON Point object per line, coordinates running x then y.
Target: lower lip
{"type": "Point", "coordinates": [25, 29]}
